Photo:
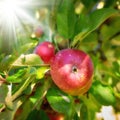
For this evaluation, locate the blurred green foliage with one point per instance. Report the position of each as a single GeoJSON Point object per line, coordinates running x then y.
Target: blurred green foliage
{"type": "Point", "coordinates": [25, 82]}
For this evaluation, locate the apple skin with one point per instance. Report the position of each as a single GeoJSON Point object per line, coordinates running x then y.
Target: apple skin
{"type": "Point", "coordinates": [55, 116]}
{"type": "Point", "coordinates": [72, 71]}
{"type": "Point", "coordinates": [46, 51]}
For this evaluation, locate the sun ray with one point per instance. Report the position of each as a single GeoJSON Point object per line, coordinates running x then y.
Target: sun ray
{"type": "Point", "coordinates": [15, 14]}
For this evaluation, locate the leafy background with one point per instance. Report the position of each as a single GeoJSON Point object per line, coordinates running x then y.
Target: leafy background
{"type": "Point", "coordinates": [26, 89]}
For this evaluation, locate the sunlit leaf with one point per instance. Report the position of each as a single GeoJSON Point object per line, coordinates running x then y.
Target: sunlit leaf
{"type": "Point", "coordinates": [16, 77]}
{"type": "Point", "coordinates": [28, 60]}
{"type": "Point", "coordinates": [26, 47]}
{"type": "Point", "coordinates": [41, 71]}
{"type": "Point", "coordinates": [95, 20]}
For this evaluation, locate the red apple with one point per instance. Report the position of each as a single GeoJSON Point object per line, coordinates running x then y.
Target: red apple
{"type": "Point", "coordinates": [46, 51]}
{"type": "Point", "coordinates": [55, 116]}
{"type": "Point", "coordinates": [72, 71]}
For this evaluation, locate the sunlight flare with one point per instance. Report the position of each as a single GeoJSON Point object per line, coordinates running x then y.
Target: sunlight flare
{"type": "Point", "coordinates": [14, 15]}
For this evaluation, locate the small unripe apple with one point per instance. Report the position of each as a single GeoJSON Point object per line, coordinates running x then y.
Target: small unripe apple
{"type": "Point", "coordinates": [38, 32]}
{"type": "Point", "coordinates": [46, 51]}
{"type": "Point", "coordinates": [72, 71]}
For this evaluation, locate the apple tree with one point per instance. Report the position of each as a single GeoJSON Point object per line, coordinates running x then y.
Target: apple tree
{"type": "Point", "coordinates": [65, 68]}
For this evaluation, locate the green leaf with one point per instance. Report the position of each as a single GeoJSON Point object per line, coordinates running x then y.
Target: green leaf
{"type": "Point", "coordinates": [59, 101]}
{"type": "Point", "coordinates": [6, 115]}
{"type": "Point", "coordinates": [99, 16]}
{"type": "Point", "coordinates": [40, 93]}
{"type": "Point", "coordinates": [14, 79]}
{"type": "Point", "coordinates": [103, 93]}
{"type": "Point", "coordinates": [6, 61]}
{"type": "Point", "coordinates": [116, 68]}
{"type": "Point", "coordinates": [3, 93]}
{"type": "Point", "coordinates": [66, 19]}
{"type": "Point", "coordinates": [110, 3]}
{"type": "Point", "coordinates": [26, 47]}
{"type": "Point", "coordinates": [81, 28]}
{"type": "Point", "coordinates": [82, 24]}
{"type": "Point", "coordinates": [1, 105]}
{"type": "Point", "coordinates": [25, 110]}
{"type": "Point", "coordinates": [28, 60]}
{"type": "Point", "coordinates": [86, 113]}
{"type": "Point", "coordinates": [23, 86]}
{"type": "Point", "coordinates": [37, 115]}
{"type": "Point", "coordinates": [88, 3]}
{"type": "Point", "coordinates": [17, 77]}
{"type": "Point", "coordinates": [95, 19]}
{"type": "Point", "coordinates": [91, 103]}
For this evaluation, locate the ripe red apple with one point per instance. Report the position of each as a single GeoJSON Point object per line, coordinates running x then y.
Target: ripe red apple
{"type": "Point", "coordinates": [55, 116]}
{"type": "Point", "coordinates": [46, 51]}
{"type": "Point", "coordinates": [72, 71]}
{"type": "Point", "coordinates": [38, 32]}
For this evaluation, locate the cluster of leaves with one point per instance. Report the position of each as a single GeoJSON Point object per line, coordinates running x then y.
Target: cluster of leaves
{"type": "Point", "coordinates": [26, 87]}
